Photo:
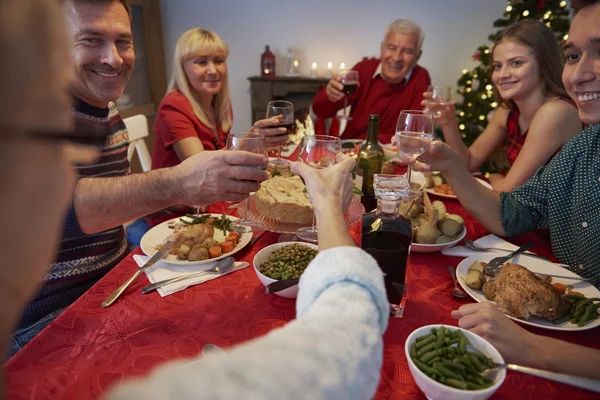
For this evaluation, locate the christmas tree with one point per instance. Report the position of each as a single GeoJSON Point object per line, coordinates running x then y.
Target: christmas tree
{"type": "Point", "coordinates": [475, 86]}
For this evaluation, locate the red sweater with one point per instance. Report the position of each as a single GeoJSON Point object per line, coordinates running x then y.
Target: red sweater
{"type": "Point", "coordinates": [375, 96]}
{"type": "Point", "coordinates": [175, 120]}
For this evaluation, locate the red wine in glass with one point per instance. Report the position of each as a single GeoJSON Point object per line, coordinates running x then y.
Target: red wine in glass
{"type": "Point", "coordinates": [350, 88]}
{"type": "Point", "coordinates": [288, 125]}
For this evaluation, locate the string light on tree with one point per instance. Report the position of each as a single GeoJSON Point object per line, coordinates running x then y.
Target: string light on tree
{"type": "Point", "coordinates": [525, 13]}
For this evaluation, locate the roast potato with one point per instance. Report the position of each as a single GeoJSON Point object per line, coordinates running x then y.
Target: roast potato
{"type": "Point", "coordinates": [183, 251]}
{"type": "Point", "coordinates": [489, 290]}
{"type": "Point", "coordinates": [475, 279]}
{"type": "Point", "coordinates": [198, 253]}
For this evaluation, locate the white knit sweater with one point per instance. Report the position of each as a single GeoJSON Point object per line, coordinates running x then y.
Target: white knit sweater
{"type": "Point", "coordinates": [333, 350]}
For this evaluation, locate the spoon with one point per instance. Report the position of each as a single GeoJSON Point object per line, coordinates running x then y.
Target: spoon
{"type": "Point", "coordinates": [211, 348]}
{"type": "Point", "coordinates": [456, 292]}
{"type": "Point", "coordinates": [221, 267]}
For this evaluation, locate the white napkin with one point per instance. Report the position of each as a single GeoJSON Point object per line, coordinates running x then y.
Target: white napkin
{"type": "Point", "coordinates": [161, 271]}
{"type": "Point", "coordinates": [486, 241]}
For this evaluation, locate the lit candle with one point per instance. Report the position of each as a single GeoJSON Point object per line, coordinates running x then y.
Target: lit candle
{"type": "Point", "coordinates": [313, 70]}
{"type": "Point", "coordinates": [314, 65]}
{"type": "Point", "coordinates": [329, 65]}
{"type": "Point", "coordinates": [329, 69]}
{"type": "Point", "coordinates": [342, 66]}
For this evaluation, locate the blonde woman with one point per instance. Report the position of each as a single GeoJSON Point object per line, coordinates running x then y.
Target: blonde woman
{"type": "Point", "coordinates": [196, 114]}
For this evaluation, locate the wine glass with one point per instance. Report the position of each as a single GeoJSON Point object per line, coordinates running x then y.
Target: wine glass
{"type": "Point", "coordinates": [414, 133]}
{"type": "Point", "coordinates": [253, 143]}
{"type": "Point", "coordinates": [317, 151]}
{"type": "Point", "coordinates": [437, 102]}
{"type": "Point", "coordinates": [350, 82]}
{"type": "Point", "coordinates": [286, 110]}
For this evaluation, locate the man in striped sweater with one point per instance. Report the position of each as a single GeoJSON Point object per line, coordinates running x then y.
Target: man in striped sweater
{"type": "Point", "coordinates": [105, 196]}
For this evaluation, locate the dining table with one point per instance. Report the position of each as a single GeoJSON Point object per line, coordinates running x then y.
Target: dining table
{"type": "Point", "coordinates": [87, 348]}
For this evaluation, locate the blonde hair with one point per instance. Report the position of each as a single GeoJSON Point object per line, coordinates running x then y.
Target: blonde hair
{"type": "Point", "coordinates": [33, 74]}
{"type": "Point", "coordinates": [196, 42]}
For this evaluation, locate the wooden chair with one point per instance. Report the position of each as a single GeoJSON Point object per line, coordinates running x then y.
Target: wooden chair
{"type": "Point", "coordinates": [137, 127]}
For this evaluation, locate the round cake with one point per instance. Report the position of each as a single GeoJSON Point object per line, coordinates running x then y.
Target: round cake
{"type": "Point", "coordinates": [284, 199]}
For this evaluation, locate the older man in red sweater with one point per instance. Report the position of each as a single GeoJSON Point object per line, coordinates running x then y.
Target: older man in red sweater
{"type": "Point", "coordinates": [387, 85]}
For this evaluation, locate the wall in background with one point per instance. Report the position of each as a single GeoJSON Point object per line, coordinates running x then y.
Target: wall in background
{"type": "Point", "coordinates": [330, 30]}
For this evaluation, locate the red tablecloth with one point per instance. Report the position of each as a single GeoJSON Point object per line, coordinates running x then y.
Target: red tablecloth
{"type": "Point", "coordinates": [87, 348]}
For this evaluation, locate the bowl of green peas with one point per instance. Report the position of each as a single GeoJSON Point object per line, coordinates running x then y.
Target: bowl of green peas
{"type": "Point", "coordinates": [285, 260]}
{"type": "Point", "coordinates": [447, 363]}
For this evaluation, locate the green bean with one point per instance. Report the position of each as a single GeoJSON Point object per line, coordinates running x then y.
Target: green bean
{"type": "Point", "coordinates": [462, 336]}
{"type": "Point", "coordinates": [426, 349]}
{"type": "Point", "coordinates": [413, 350]}
{"type": "Point", "coordinates": [425, 358]}
{"type": "Point", "coordinates": [462, 347]}
{"type": "Point", "coordinates": [423, 367]}
{"type": "Point", "coordinates": [456, 366]}
{"type": "Point", "coordinates": [456, 383]}
{"type": "Point", "coordinates": [450, 341]}
{"type": "Point", "coordinates": [439, 342]}
{"type": "Point", "coordinates": [426, 342]}
{"type": "Point", "coordinates": [586, 315]}
{"type": "Point", "coordinates": [475, 361]}
{"type": "Point", "coordinates": [562, 320]}
{"type": "Point", "coordinates": [420, 339]}
{"type": "Point", "coordinates": [447, 372]}
{"type": "Point", "coordinates": [474, 386]}
{"type": "Point", "coordinates": [437, 359]}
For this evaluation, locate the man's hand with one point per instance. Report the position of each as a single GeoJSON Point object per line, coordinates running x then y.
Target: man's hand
{"type": "Point", "coordinates": [274, 135]}
{"type": "Point", "coordinates": [330, 187]}
{"type": "Point", "coordinates": [485, 319]}
{"type": "Point", "coordinates": [334, 89]}
{"type": "Point", "coordinates": [212, 176]}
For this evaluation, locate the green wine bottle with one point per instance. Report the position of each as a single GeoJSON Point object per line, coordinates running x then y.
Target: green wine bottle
{"type": "Point", "coordinates": [369, 162]}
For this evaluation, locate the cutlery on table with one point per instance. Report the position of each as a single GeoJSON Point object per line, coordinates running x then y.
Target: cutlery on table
{"type": "Point", "coordinates": [576, 278]}
{"type": "Point", "coordinates": [255, 238]}
{"type": "Point", "coordinates": [278, 286]}
{"type": "Point", "coordinates": [456, 292]}
{"type": "Point", "coordinates": [495, 263]}
{"type": "Point", "coordinates": [159, 255]}
{"type": "Point", "coordinates": [475, 247]}
{"type": "Point", "coordinates": [220, 267]}
{"type": "Point", "coordinates": [577, 381]}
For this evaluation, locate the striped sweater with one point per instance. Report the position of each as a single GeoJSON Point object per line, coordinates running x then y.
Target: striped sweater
{"type": "Point", "coordinates": [83, 259]}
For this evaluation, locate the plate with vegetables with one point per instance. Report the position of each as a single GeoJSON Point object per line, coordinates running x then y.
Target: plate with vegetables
{"type": "Point", "coordinates": [436, 184]}
{"type": "Point", "coordinates": [525, 291]}
{"type": "Point", "coordinates": [201, 239]}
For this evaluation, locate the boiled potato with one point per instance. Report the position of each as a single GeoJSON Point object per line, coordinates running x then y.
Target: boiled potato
{"type": "Point", "coordinates": [449, 226]}
{"type": "Point", "coordinates": [443, 239]}
{"type": "Point", "coordinates": [198, 253]}
{"type": "Point", "coordinates": [426, 234]}
{"type": "Point", "coordinates": [458, 219]}
{"type": "Point", "coordinates": [475, 279]}
{"type": "Point", "coordinates": [183, 251]}
{"type": "Point", "coordinates": [208, 243]}
{"type": "Point", "coordinates": [441, 207]}
{"type": "Point", "coordinates": [489, 290]}
{"type": "Point", "coordinates": [477, 265]}
{"type": "Point", "coordinates": [438, 179]}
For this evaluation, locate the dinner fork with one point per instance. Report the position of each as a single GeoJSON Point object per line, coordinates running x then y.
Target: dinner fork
{"type": "Point", "coordinates": [475, 247]}
{"type": "Point", "coordinates": [495, 263]}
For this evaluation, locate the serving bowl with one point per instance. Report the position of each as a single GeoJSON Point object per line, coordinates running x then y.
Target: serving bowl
{"type": "Point", "coordinates": [263, 255]}
{"type": "Point", "coordinates": [437, 391]}
{"type": "Point", "coordinates": [432, 248]}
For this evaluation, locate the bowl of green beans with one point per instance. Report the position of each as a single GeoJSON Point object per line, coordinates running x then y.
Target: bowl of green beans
{"type": "Point", "coordinates": [446, 363]}
{"type": "Point", "coordinates": [286, 260]}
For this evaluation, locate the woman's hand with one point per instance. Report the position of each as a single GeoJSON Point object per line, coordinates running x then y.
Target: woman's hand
{"type": "Point", "coordinates": [438, 157]}
{"type": "Point", "coordinates": [274, 135]}
{"type": "Point", "coordinates": [331, 187]}
{"type": "Point", "coordinates": [448, 116]}
{"type": "Point", "coordinates": [516, 344]}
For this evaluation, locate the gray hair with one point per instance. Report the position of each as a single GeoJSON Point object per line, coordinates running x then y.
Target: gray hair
{"type": "Point", "coordinates": [409, 27]}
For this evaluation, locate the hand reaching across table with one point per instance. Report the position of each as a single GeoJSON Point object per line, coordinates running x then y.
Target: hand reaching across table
{"type": "Point", "coordinates": [519, 346]}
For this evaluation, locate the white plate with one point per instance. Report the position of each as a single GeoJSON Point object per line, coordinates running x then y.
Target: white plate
{"type": "Point", "coordinates": [160, 233]}
{"type": "Point", "coordinates": [391, 152]}
{"type": "Point", "coordinates": [534, 265]}
{"type": "Point", "coordinates": [432, 248]}
{"type": "Point", "coordinates": [450, 196]}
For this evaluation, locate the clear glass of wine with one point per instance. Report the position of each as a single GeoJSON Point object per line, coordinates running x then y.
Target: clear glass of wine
{"type": "Point", "coordinates": [350, 82]}
{"type": "Point", "coordinates": [286, 110]}
{"type": "Point", "coordinates": [317, 151]}
{"type": "Point", "coordinates": [414, 133]}
{"type": "Point", "coordinates": [253, 143]}
{"type": "Point", "coordinates": [437, 102]}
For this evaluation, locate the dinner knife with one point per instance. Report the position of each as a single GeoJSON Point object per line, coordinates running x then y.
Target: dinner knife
{"type": "Point", "coordinates": [278, 286]}
{"type": "Point", "coordinates": [159, 255]}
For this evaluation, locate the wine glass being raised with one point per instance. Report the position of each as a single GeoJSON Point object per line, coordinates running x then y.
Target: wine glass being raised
{"type": "Point", "coordinates": [286, 110]}
{"type": "Point", "coordinates": [436, 102]}
{"type": "Point", "coordinates": [253, 143]}
{"type": "Point", "coordinates": [317, 151]}
{"type": "Point", "coordinates": [350, 82]}
{"type": "Point", "coordinates": [414, 133]}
